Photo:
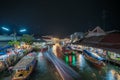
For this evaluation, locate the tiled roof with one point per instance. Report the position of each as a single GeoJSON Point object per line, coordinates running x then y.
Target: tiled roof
{"type": "Point", "coordinates": [110, 41]}
{"type": "Point", "coordinates": [111, 38]}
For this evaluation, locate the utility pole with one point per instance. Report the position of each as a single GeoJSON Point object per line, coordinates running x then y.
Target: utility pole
{"type": "Point", "coordinates": [14, 35]}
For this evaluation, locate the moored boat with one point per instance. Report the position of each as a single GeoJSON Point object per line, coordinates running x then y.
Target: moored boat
{"type": "Point", "coordinates": [3, 62]}
{"type": "Point", "coordinates": [5, 57]}
{"type": "Point", "coordinates": [94, 58]}
{"type": "Point", "coordinates": [24, 67]}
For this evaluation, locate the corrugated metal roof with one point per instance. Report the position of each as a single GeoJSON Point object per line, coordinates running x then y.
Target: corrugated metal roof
{"type": "Point", "coordinates": [24, 62]}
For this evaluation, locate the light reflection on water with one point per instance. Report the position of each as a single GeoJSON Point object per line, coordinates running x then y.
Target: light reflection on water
{"type": "Point", "coordinates": [110, 75]}
{"type": "Point", "coordinates": [41, 71]}
{"type": "Point", "coordinates": [82, 63]}
{"type": "Point", "coordinates": [90, 72]}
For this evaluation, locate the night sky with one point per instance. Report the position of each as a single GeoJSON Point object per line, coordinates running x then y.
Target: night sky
{"type": "Point", "coordinates": [59, 17]}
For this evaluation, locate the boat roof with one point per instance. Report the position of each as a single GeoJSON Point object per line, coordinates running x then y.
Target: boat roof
{"type": "Point", "coordinates": [2, 53]}
{"type": "Point", "coordinates": [6, 47]}
{"type": "Point", "coordinates": [24, 62]}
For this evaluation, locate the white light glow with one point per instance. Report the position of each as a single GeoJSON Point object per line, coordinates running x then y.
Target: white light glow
{"type": "Point", "coordinates": [5, 28]}
{"type": "Point", "coordinates": [22, 30]}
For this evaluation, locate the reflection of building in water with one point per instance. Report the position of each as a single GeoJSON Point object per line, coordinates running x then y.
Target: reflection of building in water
{"type": "Point", "coordinates": [1, 65]}
{"type": "Point", "coordinates": [70, 57]}
{"type": "Point", "coordinates": [57, 50]}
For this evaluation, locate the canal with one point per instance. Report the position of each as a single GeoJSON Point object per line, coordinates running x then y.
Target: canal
{"type": "Point", "coordinates": [88, 71]}
{"type": "Point", "coordinates": [41, 71]}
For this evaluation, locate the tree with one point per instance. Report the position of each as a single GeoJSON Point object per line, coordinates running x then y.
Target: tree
{"type": "Point", "coordinates": [14, 43]}
{"type": "Point", "coordinates": [27, 38]}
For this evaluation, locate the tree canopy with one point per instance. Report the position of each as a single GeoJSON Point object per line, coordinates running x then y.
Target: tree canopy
{"type": "Point", "coordinates": [27, 38]}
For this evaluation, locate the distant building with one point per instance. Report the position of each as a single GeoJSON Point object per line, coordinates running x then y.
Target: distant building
{"type": "Point", "coordinates": [76, 36]}
{"type": "Point", "coordinates": [79, 35]}
{"type": "Point", "coordinates": [72, 37]}
{"type": "Point", "coordinates": [96, 32]}
{"type": "Point", "coordinates": [110, 42]}
{"type": "Point", "coordinates": [47, 38]}
{"type": "Point", "coordinates": [7, 38]}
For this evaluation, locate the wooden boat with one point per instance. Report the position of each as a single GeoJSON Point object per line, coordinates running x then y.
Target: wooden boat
{"type": "Point", "coordinates": [24, 67]}
{"type": "Point", "coordinates": [94, 58]}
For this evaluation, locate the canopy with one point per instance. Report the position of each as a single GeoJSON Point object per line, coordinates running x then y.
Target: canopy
{"type": "Point", "coordinates": [3, 48]}
{"type": "Point", "coordinates": [2, 53]}
{"type": "Point", "coordinates": [32, 54]}
{"type": "Point", "coordinates": [24, 63]}
{"type": "Point", "coordinates": [6, 47]}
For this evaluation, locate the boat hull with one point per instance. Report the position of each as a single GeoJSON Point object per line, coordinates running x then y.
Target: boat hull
{"type": "Point", "coordinates": [24, 78]}
{"type": "Point", "coordinates": [24, 73]}
{"type": "Point", "coordinates": [93, 61]}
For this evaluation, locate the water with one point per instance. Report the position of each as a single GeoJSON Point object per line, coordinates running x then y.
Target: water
{"type": "Point", "coordinates": [42, 71]}
{"type": "Point", "coordinates": [89, 71]}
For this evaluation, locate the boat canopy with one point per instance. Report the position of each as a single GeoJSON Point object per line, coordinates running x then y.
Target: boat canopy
{"type": "Point", "coordinates": [0, 48]}
{"type": "Point", "coordinates": [4, 48]}
{"type": "Point", "coordinates": [2, 53]}
{"type": "Point", "coordinates": [24, 63]}
{"type": "Point", "coordinates": [32, 54]}
{"type": "Point", "coordinates": [93, 55]}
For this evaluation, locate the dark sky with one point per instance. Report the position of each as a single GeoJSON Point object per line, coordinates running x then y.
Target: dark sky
{"type": "Point", "coordinates": [59, 17]}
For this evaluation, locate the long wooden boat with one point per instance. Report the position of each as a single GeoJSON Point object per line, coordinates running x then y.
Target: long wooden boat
{"type": "Point", "coordinates": [94, 58]}
{"type": "Point", "coordinates": [24, 67]}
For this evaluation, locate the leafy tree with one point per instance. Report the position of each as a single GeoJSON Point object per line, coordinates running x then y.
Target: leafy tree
{"type": "Point", "coordinates": [14, 43]}
{"type": "Point", "coordinates": [27, 38]}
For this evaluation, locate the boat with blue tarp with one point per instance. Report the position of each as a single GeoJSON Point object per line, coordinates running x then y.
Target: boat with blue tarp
{"type": "Point", "coordinates": [94, 58]}
{"type": "Point", "coordinates": [3, 49]}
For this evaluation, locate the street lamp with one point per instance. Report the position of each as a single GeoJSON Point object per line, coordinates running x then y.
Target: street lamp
{"type": "Point", "coordinates": [4, 28]}
{"type": "Point", "coordinates": [22, 30]}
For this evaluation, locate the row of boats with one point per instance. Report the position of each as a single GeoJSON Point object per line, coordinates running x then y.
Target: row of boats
{"type": "Point", "coordinates": [23, 69]}
{"type": "Point", "coordinates": [25, 66]}
{"type": "Point", "coordinates": [9, 55]}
